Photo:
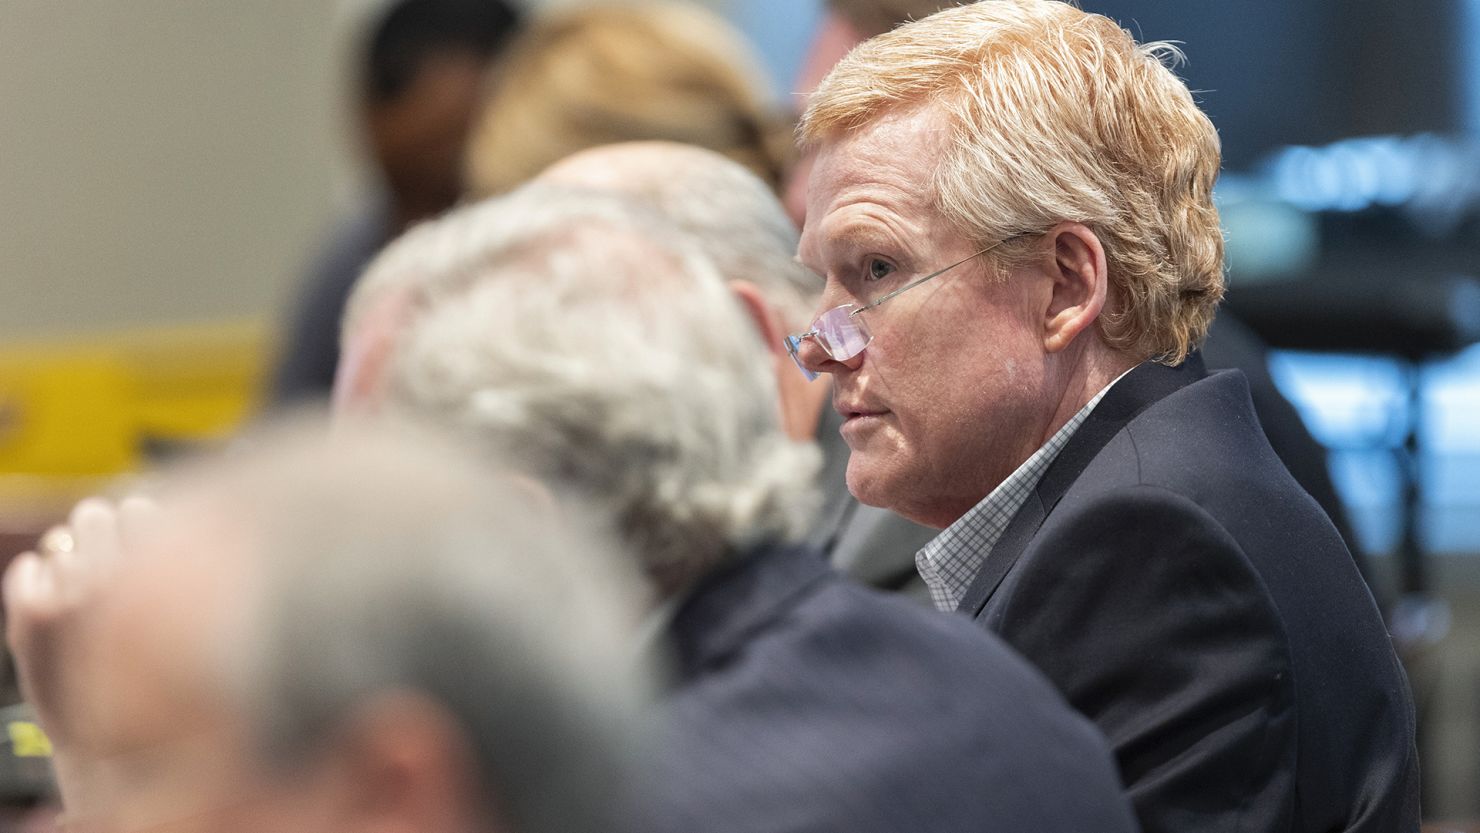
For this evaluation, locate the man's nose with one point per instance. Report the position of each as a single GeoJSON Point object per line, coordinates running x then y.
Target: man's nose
{"type": "Point", "coordinates": [814, 359]}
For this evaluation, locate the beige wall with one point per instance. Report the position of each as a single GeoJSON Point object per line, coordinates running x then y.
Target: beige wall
{"type": "Point", "coordinates": [169, 161]}
{"type": "Point", "coordinates": [161, 161]}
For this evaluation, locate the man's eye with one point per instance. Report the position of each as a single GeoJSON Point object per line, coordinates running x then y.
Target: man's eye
{"type": "Point", "coordinates": [878, 269]}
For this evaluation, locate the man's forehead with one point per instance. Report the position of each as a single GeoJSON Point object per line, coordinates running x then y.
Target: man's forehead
{"type": "Point", "coordinates": [899, 148]}
{"type": "Point", "coordinates": [874, 183]}
{"type": "Point", "coordinates": [914, 126]}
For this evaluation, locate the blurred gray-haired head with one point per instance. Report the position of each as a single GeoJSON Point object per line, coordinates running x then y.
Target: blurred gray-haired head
{"type": "Point", "coordinates": [587, 337]}
{"type": "Point", "coordinates": [730, 214]}
{"type": "Point", "coordinates": [385, 565]}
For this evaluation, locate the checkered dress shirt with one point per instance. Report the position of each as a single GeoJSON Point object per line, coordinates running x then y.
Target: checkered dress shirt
{"type": "Point", "coordinates": [952, 559]}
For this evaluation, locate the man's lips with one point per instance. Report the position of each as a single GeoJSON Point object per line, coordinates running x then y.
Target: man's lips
{"type": "Point", "coordinates": [857, 410]}
{"type": "Point", "coordinates": [859, 421]}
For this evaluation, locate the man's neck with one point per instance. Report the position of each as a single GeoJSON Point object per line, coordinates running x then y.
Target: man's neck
{"type": "Point", "coordinates": [1096, 368]}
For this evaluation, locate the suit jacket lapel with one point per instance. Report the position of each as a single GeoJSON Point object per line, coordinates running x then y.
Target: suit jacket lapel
{"type": "Point", "coordinates": [1004, 554]}
{"type": "Point", "coordinates": [1139, 389]}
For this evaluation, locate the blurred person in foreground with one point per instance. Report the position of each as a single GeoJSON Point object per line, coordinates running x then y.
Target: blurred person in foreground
{"type": "Point", "coordinates": [418, 86]}
{"type": "Point", "coordinates": [592, 337]}
{"type": "Point", "coordinates": [584, 77]}
{"type": "Point", "coordinates": [1011, 205]}
{"type": "Point", "coordinates": [367, 637]}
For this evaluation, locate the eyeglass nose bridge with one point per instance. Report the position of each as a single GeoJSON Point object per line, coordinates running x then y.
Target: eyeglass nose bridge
{"type": "Point", "coordinates": [794, 347]}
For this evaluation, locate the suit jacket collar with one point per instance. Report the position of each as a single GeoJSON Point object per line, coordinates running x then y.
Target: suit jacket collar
{"type": "Point", "coordinates": [725, 609]}
{"type": "Point", "coordinates": [1145, 385]}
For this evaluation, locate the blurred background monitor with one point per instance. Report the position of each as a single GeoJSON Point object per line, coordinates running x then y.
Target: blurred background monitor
{"type": "Point", "coordinates": [1273, 73]}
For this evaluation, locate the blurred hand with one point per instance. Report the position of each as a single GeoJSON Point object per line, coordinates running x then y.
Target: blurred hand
{"type": "Point", "coordinates": [49, 594]}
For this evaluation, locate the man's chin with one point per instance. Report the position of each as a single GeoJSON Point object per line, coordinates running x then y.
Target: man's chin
{"type": "Point", "coordinates": [892, 489]}
{"type": "Point", "coordinates": [871, 484]}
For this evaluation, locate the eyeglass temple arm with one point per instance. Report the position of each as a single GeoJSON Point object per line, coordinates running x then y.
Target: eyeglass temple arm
{"type": "Point", "coordinates": [912, 284]}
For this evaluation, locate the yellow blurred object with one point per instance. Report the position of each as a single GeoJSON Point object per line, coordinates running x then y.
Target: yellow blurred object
{"type": "Point", "coordinates": [86, 407]}
{"type": "Point", "coordinates": [27, 740]}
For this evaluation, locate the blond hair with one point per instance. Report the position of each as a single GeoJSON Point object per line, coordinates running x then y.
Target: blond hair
{"type": "Point", "coordinates": [1056, 115]}
{"type": "Point", "coordinates": [602, 75]}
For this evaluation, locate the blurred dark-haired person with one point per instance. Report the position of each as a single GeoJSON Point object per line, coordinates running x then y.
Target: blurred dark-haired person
{"type": "Point", "coordinates": [588, 336]}
{"type": "Point", "coordinates": [418, 87]}
{"type": "Point", "coordinates": [1011, 205]}
{"type": "Point", "coordinates": [370, 637]}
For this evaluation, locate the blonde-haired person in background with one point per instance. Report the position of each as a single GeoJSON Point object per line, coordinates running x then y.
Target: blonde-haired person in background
{"type": "Point", "coordinates": [1012, 207]}
{"type": "Point", "coordinates": [604, 74]}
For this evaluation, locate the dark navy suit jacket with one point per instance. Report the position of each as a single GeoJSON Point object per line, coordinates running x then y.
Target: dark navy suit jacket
{"type": "Point", "coordinates": [805, 702]}
{"type": "Point", "coordinates": [1176, 584]}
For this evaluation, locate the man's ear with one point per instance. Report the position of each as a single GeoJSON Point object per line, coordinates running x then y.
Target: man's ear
{"type": "Point", "coordinates": [1080, 284]}
{"type": "Point", "coordinates": [764, 316]}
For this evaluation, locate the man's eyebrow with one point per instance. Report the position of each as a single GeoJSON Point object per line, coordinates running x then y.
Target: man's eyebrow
{"type": "Point", "coordinates": [862, 235]}
{"type": "Point", "coordinates": [851, 237]}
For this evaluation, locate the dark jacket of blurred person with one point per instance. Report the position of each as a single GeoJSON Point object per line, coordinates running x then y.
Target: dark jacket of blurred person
{"type": "Point", "coordinates": [597, 342]}
{"type": "Point", "coordinates": [418, 89]}
{"type": "Point", "coordinates": [825, 706]}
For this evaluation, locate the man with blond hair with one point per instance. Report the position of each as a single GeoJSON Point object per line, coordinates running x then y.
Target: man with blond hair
{"type": "Point", "coordinates": [1012, 210]}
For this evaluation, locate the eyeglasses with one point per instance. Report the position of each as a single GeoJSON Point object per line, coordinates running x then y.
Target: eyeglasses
{"type": "Point", "coordinates": [842, 334]}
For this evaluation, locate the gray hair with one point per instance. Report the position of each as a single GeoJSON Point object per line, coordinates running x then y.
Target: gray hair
{"type": "Point", "coordinates": [587, 337]}
{"type": "Point", "coordinates": [730, 214]}
{"type": "Point", "coordinates": [392, 567]}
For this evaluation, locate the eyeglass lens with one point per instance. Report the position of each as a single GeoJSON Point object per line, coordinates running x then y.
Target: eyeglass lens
{"type": "Point", "coordinates": [838, 332]}
{"type": "Point", "coordinates": [842, 334]}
